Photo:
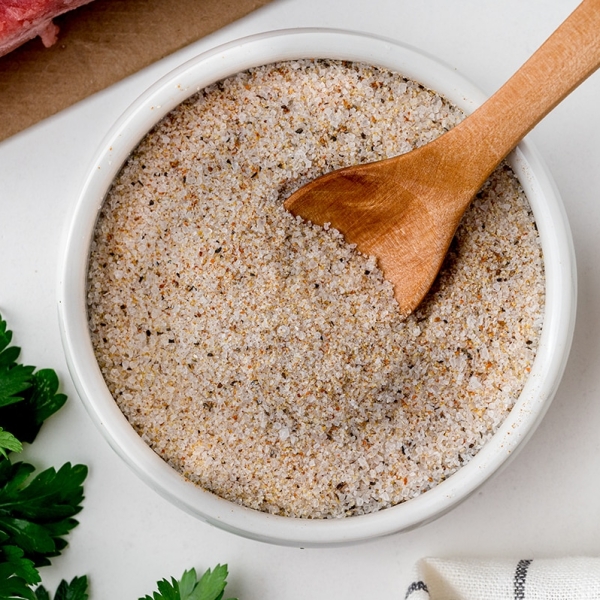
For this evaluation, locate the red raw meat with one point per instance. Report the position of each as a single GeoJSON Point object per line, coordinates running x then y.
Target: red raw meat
{"type": "Point", "coordinates": [22, 20]}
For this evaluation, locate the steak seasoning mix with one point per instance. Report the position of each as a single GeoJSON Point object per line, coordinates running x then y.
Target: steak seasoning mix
{"type": "Point", "coordinates": [263, 357]}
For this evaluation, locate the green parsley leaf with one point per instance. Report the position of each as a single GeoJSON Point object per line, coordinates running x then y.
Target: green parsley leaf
{"type": "Point", "coordinates": [22, 567]}
{"type": "Point", "coordinates": [13, 381]}
{"type": "Point", "coordinates": [8, 356]}
{"type": "Point", "coordinates": [211, 586]}
{"type": "Point", "coordinates": [27, 397]}
{"type": "Point", "coordinates": [14, 588]}
{"type": "Point", "coordinates": [41, 593]}
{"type": "Point", "coordinates": [8, 442]}
{"type": "Point", "coordinates": [17, 573]}
{"type": "Point", "coordinates": [40, 401]}
{"type": "Point", "coordinates": [37, 513]}
{"type": "Point", "coordinates": [75, 590]}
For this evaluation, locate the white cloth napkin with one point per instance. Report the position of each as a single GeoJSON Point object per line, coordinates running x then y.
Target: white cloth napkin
{"type": "Point", "coordinates": [468, 579]}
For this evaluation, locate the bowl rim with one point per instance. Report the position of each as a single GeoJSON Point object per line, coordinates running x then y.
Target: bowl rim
{"type": "Point", "coordinates": [159, 99]}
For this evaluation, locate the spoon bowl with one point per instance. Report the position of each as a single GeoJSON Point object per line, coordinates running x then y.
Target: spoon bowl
{"type": "Point", "coordinates": [405, 210]}
{"type": "Point", "coordinates": [402, 210]}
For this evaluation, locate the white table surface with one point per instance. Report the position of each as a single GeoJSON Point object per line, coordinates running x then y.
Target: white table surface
{"type": "Point", "coordinates": [545, 503]}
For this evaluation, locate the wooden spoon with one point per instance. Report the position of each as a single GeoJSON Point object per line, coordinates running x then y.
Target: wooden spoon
{"type": "Point", "coordinates": [405, 210]}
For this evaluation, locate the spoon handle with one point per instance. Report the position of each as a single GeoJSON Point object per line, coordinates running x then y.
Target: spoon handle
{"type": "Point", "coordinates": [566, 59]}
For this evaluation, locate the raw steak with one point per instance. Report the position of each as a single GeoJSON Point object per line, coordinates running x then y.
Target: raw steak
{"type": "Point", "coordinates": [22, 20]}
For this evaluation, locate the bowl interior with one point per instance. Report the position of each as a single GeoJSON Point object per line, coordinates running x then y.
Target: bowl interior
{"type": "Point", "coordinates": [122, 139]}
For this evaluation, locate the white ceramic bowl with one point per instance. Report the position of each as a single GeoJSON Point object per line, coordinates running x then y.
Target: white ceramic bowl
{"type": "Point", "coordinates": [122, 139]}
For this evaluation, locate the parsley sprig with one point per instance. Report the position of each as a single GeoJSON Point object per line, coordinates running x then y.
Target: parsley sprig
{"type": "Point", "coordinates": [36, 509]}
{"type": "Point", "coordinates": [76, 589]}
{"type": "Point", "coordinates": [36, 513]}
{"type": "Point", "coordinates": [27, 396]}
{"type": "Point", "coordinates": [211, 586]}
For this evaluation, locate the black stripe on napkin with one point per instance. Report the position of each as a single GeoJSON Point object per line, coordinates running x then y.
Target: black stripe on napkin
{"type": "Point", "coordinates": [416, 586]}
{"type": "Point", "coordinates": [520, 577]}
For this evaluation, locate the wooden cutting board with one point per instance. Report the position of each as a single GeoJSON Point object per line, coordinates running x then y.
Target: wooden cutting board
{"type": "Point", "coordinates": [99, 44]}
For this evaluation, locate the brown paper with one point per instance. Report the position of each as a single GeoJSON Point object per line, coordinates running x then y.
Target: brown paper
{"type": "Point", "coordinates": [99, 44]}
